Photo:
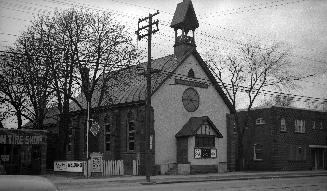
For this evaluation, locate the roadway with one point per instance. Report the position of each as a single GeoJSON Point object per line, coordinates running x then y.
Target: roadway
{"type": "Point", "coordinates": [316, 183]}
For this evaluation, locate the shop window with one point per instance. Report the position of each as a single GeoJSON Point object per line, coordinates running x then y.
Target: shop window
{"type": "Point", "coordinates": [191, 74]}
{"type": "Point", "coordinates": [108, 136]}
{"type": "Point", "coordinates": [257, 152]}
{"type": "Point", "coordinates": [283, 124]}
{"type": "Point", "coordinates": [299, 126]}
{"type": "Point", "coordinates": [131, 132]}
{"type": "Point", "coordinates": [204, 141]}
{"type": "Point", "coordinates": [260, 121]}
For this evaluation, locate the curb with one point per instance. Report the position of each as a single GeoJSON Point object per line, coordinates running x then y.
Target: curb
{"type": "Point", "coordinates": [239, 178]}
{"type": "Point", "coordinates": [196, 179]}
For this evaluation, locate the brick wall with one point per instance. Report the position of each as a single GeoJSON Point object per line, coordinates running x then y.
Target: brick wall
{"type": "Point", "coordinates": [279, 147]}
{"type": "Point", "coordinates": [119, 136]}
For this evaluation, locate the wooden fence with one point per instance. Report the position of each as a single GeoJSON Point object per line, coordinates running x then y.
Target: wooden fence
{"type": "Point", "coordinates": [111, 168]}
{"type": "Point", "coordinates": [108, 168]}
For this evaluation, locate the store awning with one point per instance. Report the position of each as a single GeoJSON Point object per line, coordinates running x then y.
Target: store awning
{"type": "Point", "coordinates": [318, 146]}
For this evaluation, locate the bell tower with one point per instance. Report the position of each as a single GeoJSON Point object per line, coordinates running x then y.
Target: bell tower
{"type": "Point", "coordinates": [183, 23]}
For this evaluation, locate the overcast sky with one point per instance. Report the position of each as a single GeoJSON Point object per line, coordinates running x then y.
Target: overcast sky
{"type": "Point", "coordinates": [300, 23]}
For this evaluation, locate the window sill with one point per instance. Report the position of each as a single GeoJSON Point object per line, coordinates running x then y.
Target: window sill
{"type": "Point", "coordinates": [297, 161]}
{"type": "Point", "coordinates": [299, 132]}
{"type": "Point", "coordinates": [283, 131]}
{"type": "Point", "coordinates": [205, 148]}
{"type": "Point", "coordinates": [258, 160]}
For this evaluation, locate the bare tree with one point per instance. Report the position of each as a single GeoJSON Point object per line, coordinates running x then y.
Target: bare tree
{"type": "Point", "coordinates": [249, 70]}
{"type": "Point", "coordinates": [278, 100]}
{"type": "Point", "coordinates": [34, 71]}
{"type": "Point", "coordinates": [94, 46]}
{"type": "Point", "coordinates": [12, 93]}
{"type": "Point", "coordinates": [80, 50]}
{"type": "Point", "coordinates": [99, 45]}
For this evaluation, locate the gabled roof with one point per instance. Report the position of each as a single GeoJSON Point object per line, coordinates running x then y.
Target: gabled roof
{"type": "Point", "coordinates": [130, 87]}
{"type": "Point", "coordinates": [193, 124]}
{"type": "Point", "coordinates": [185, 16]}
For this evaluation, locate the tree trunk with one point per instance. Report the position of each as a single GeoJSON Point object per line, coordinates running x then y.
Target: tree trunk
{"type": "Point", "coordinates": [19, 118]}
{"type": "Point", "coordinates": [63, 130]}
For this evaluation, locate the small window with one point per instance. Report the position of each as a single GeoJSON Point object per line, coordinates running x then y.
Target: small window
{"type": "Point", "coordinates": [299, 126]}
{"type": "Point", "coordinates": [260, 121]}
{"type": "Point", "coordinates": [321, 127]}
{"type": "Point", "coordinates": [313, 125]}
{"type": "Point", "coordinates": [70, 139]}
{"type": "Point", "coordinates": [204, 141]}
{"type": "Point", "coordinates": [131, 132]}
{"type": "Point", "coordinates": [283, 124]}
{"type": "Point", "coordinates": [191, 74]}
{"type": "Point", "coordinates": [108, 136]}
{"type": "Point", "coordinates": [234, 126]}
{"type": "Point", "coordinates": [257, 152]}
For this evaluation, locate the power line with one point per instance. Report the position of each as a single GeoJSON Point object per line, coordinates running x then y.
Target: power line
{"type": "Point", "coordinates": [243, 88]}
{"type": "Point", "coordinates": [233, 41]}
{"type": "Point", "coordinates": [221, 38]}
{"type": "Point", "coordinates": [256, 7]}
{"type": "Point", "coordinates": [221, 27]}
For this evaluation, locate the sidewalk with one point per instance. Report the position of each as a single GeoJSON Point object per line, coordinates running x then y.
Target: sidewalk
{"type": "Point", "coordinates": [168, 179]}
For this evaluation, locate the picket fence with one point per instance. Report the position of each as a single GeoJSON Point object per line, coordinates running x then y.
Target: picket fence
{"type": "Point", "coordinates": [115, 167]}
{"type": "Point", "coordinates": [108, 168]}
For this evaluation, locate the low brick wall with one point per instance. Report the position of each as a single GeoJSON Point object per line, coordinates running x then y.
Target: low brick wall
{"type": "Point", "coordinates": [183, 169]}
{"type": "Point", "coordinates": [203, 169]}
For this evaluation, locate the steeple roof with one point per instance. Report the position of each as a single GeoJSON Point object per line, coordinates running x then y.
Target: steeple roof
{"type": "Point", "coordinates": [184, 16]}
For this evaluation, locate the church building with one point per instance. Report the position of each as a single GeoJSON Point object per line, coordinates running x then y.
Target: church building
{"type": "Point", "coordinates": [189, 111]}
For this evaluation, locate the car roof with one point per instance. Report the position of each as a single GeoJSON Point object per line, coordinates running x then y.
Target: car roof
{"type": "Point", "coordinates": [26, 183]}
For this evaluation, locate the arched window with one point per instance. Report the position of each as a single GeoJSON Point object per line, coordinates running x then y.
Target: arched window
{"type": "Point", "coordinates": [107, 128]}
{"type": "Point", "coordinates": [191, 73]}
{"type": "Point", "coordinates": [283, 124]}
{"type": "Point", "coordinates": [131, 129]}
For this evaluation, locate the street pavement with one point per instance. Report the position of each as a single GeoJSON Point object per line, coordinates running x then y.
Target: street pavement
{"type": "Point", "coordinates": [317, 183]}
{"type": "Point", "coordinates": [315, 180]}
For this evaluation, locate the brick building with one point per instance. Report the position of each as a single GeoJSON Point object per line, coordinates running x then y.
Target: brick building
{"type": "Point", "coordinates": [188, 123]}
{"type": "Point", "coordinates": [281, 138]}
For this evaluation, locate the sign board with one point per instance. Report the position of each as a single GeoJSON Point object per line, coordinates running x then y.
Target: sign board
{"type": "Point", "coordinates": [205, 153]}
{"type": "Point", "coordinates": [95, 127]}
{"type": "Point", "coordinates": [197, 153]}
{"type": "Point", "coordinates": [213, 153]}
{"type": "Point", "coordinates": [96, 160]}
{"type": "Point", "coordinates": [5, 158]}
{"type": "Point", "coordinates": [151, 140]}
{"type": "Point", "coordinates": [68, 166]}
{"type": "Point", "coordinates": [21, 139]}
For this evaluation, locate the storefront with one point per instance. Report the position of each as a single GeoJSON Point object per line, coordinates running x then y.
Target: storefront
{"type": "Point", "coordinates": [23, 151]}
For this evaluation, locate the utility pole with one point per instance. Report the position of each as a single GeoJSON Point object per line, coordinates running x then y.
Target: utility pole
{"type": "Point", "coordinates": [87, 138]}
{"type": "Point", "coordinates": [148, 72]}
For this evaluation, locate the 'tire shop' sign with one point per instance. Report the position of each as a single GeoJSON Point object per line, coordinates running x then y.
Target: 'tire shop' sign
{"type": "Point", "coordinates": [21, 139]}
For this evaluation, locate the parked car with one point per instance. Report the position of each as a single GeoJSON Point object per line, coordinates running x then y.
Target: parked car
{"type": "Point", "coordinates": [26, 183]}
